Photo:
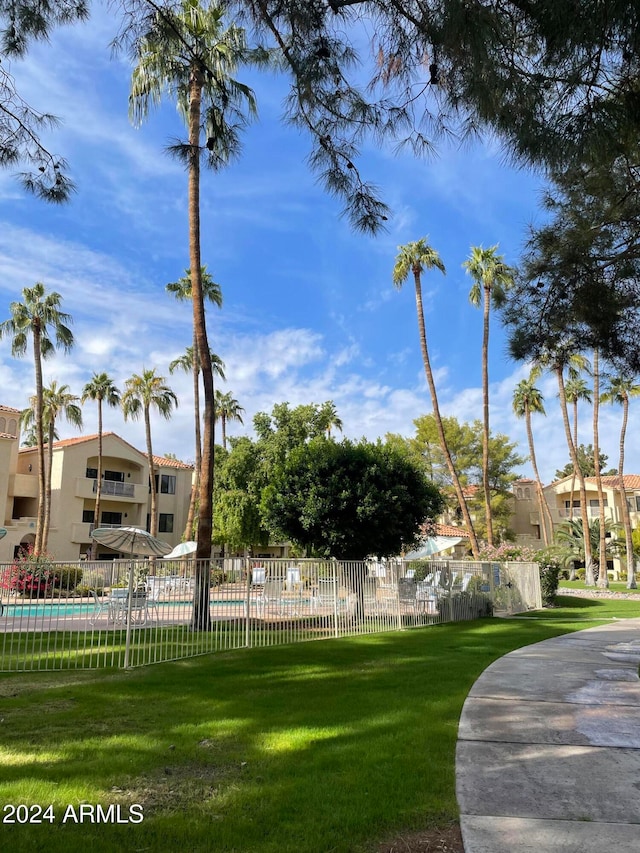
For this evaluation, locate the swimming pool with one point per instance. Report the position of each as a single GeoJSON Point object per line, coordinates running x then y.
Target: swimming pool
{"type": "Point", "coordinates": [56, 610]}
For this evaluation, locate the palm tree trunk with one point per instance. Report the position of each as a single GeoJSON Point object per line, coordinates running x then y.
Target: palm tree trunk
{"type": "Point", "coordinates": [47, 499]}
{"type": "Point", "coordinates": [188, 530]}
{"type": "Point", "coordinates": [96, 512]}
{"type": "Point", "coordinates": [436, 413]}
{"type": "Point", "coordinates": [223, 421]}
{"type": "Point", "coordinates": [485, 416]}
{"type": "Point", "coordinates": [153, 523]}
{"type": "Point", "coordinates": [603, 577]}
{"type": "Point", "coordinates": [545, 515]}
{"type": "Point", "coordinates": [37, 357]}
{"type": "Point", "coordinates": [588, 558]}
{"type": "Point", "coordinates": [626, 518]}
{"type": "Point", "coordinates": [201, 619]}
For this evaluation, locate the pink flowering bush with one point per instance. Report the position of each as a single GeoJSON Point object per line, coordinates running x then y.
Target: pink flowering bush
{"type": "Point", "coordinates": [509, 552]}
{"type": "Point", "coordinates": [29, 576]}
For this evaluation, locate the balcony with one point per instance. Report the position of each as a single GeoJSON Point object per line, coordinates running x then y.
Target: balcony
{"type": "Point", "coordinates": [86, 487]}
{"type": "Point", "coordinates": [24, 486]}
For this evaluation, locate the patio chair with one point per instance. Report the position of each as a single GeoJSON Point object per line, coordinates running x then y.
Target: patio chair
{"type": "Point", "coordinates": [293, 581]}
{"type": "Point", "coordinates": [270, 598]}
{"type": "Point", "coordinates": [121, 602]}
{"type": "Point", "coordinates": [99, 605]}
{"type": "Point", "coordinates": [258, 576]}
{"type": "Point", "coordinates": [407, 592]}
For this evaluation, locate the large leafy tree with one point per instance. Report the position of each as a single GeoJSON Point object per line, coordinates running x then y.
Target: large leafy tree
{"type": "Point", "coordinates": [528, 400]}
{"type": "Point", "coordinates": [492, 278]}
{"type": "Point", "coordinates": [101, 389]}
{"type": "Point", "coordinates": [40, 319]}
{"type": "Point", "coordinates": [21, 125]}
{"type": "Point", "coordinates": [620, 390]}
{"type": "Point", "coordinates": [188, 52]}
{"type": "Point", "coordinates": [58, 402]}
{"type": "Point", "coordinates": [142, 393]}
{"type": "Point", "coordinates": [413, 259]}
{"type": "Point", "coordinates": [349, 499]}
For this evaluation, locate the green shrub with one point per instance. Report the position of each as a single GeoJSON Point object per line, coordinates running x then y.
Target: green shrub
{"type": "Point", "coordinates": [549, 579]}
{"type": "Point", "coordinates": [421, 569]}
{"type": "Point", "coordinates": [67, 578]}
{"type": "Point", "coordinates": [581, 574]}
{"type": "Point", "coordinates": [218, 577]}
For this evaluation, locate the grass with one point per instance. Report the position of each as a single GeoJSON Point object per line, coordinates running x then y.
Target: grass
{"type": "Point", "coordinates": [614, 586]}
{"type": "Point", "coordinates": [328, 746]}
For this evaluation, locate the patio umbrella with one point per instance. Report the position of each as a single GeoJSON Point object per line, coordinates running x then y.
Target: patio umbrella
{"type": "Point", "coordinates": [131, 540]}
{"type": "Point", "coordinates": [434, 545]}
{"type": "Point", "coordinates": [181, 550]}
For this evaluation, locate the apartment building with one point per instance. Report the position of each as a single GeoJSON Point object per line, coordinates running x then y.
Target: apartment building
{"type": "Point", "coordinates": [125, 497]}
{"type": "Point", "coordinates": [563, 500]}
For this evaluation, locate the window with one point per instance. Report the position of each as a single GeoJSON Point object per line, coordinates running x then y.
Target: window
{"type": "Point", "coordinates": [91, 474]}
{"type": "Point", "coordinates": [637, 497]}
{"type": "Point", "coordinates": [111, 518]}
{"type": "Point", "coordinates": [116, 476]}
{"type": "Point", "coordinates": [88, 515]}
{"type": "Point", "coordinates": [165, 522]}
{"type": "Point", "coordinates": [594, 503]}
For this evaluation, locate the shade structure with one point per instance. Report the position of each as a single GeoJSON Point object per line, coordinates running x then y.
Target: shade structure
{"type": "Point", "coordinates": [3, 532]}
{"type": "Point", "coordinates": [433, 545]}
{"type": "Point", "coordinates": [181, 550]}
{"type": "Point", "coordinates": [131, 540]}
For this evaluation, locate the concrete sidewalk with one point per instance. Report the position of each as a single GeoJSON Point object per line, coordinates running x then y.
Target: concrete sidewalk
{"type": "Point", "coordinates": [548, 755]}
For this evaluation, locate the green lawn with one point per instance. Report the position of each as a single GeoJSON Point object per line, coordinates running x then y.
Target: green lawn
{"type": "Point", "coordinates": [620, 586]}
{"type": "Point", "coordinates": [323, 746]}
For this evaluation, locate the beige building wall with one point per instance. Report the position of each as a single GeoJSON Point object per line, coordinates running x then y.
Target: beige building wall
{"type": "Point", "coordinates": [125, 499]}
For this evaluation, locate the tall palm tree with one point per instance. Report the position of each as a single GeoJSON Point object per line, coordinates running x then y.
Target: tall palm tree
{"type": "Point", "coordinates": [141, 393]}
{"type": "Point", "coordinates": [527, 400]}
{"type": "Point", "coordinates": [577, 390]}
{"type": "Point", "coordinates": [557, 360]}
{"type": "Point", "coordinates": [102, 389]}
{"type": "Point", "coordinates": [40, 317]}
{"type": "Point", "coordinates": [57, 402]}
{"type": "Point", "coordinates": [414, 258]}
{"type": "Point", "coordinates": [189, 364]}
{"type": "Point", "coordinates": [329, 417]}
{"type": "Point", "coordinates": [188, 54]}
{"type": "Point", "coordinates": [492, 278]}
{"type": "Point", "coordinates": [603, 576]}
{"type": "Point", "coordinates": [620, 390]}
{"type": "Point", "coordinates": [227, 409]}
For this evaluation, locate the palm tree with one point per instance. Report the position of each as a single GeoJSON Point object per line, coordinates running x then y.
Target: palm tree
{"type": "Point", "coordinates": [570, 535]}
{"type": "Point", "coordinates": [141, 393]}
{"type": "Point", "coordinates": [557, 360]}
{"type": "Point", "coordinates": [188, 364]}
{"type": "Point", "coordinates": [527, 400]}
{"type": "Point", "coordinates": [492, 278]}
{"type": "Point", "coordinates": [620, 389]}
{"type": "Point", "coordinates": [57, 401]}
{"type": "Point", "coordinates": [188, 54]}
{"type": "Point", "coordinates": [329, 417]}
{"type": "Point", "coordinates": [603, 576]}
{"type": "Point", "coordinates": [576, 389]}
{"type": "Point", "coordinates": [40, 317]}
{"type": "Point", "coordinates": [415, 258]}
{"type": "Point", "coordinates": [227, 409]}
{"type": "Point", "coordinates": [102, 389]}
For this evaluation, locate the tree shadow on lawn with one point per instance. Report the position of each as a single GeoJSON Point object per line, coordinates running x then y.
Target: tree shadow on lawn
{"type": "Point", "coordinates": [297, 749]}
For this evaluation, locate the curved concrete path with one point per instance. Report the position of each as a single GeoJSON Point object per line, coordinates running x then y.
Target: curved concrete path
{"type": "Point", "coordinates": [548, 755]}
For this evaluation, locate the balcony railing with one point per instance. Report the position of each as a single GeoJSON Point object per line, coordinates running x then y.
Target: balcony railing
{"type": "Point", "coordinates": [113, 487]}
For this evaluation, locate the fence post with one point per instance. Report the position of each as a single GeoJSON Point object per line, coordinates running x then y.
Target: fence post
{"type": "Point", "coordinates": [247, 607]}
{"type": "Point", "coordinates": [127, 642]}
{"type": "Point", "coordinates": [334, 565]}
{"type": "Point", "coordinates": [395, 579]}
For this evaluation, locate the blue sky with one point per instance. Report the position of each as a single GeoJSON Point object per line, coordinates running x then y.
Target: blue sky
{"type": "Point", "coordinates": [309, 314]}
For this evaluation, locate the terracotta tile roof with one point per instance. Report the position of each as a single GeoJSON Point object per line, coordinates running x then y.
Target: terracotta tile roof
{"type": "Point", "coordinates": [9, 409]}
{"type": "Point", "coordinates": [163, 462]}
{"type": "Point", "coordinates": [8, 435]}
{"type": "Point", "coordinates": [451, 530]}
{"type": "Point", "coordinates": [80, 439]}
{"type": "Point", "coordinates": [631, 481]}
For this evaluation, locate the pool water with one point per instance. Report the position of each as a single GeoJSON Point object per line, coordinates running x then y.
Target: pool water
{"type": "Point", "coordinates": [57, 610]}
